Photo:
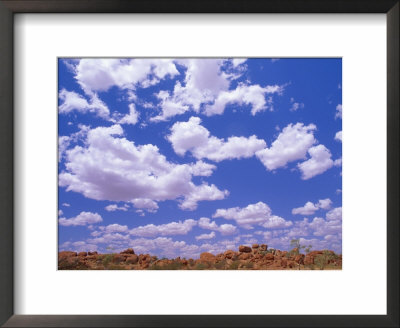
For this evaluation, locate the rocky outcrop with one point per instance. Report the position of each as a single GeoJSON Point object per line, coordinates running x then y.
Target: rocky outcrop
{"type": "Point", "coordinates": [244, 249]}
{"type": "Point", "coordinates": [132, 259]}
{"type": "Point", "coordinates": [257, 257]}
{"type": "Point", "coordinates": [128, 251]}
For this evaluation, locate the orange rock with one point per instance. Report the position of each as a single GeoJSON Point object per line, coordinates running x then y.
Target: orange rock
{"type": "Point", "coordinates": [82, 254]}
{"type": "Point", "coordinates": [144, 258]}
{"type": "Point", "coordinates": [244, 249]}
{"type": "Point", "coordinates": [245, 256]}
{"type": "Point", "coordinates": [118, 258]}
{"type": "Point", "coordinates": [66, 254]}
{"type": "Point", "coordinates": [92, 253]}
{"type": "Point", "coordinates": [229, 254]}
{"type": "Point", "coordinates": [255, 246]}
{"type": "Point", "coordinates": [263, 247]}
{"type": "Point", "coordinates": [269, 256]}
{"type": "Point", "coordinates": [128, 251]}
{"type": "Point", "coordinates": [132, 259]}
{"type": "Point", "coordinates": [299, 258]}
{"type": "Point", "coordinates": [208, 257]}
{"type": "Point", "coordinates": [220, 257]}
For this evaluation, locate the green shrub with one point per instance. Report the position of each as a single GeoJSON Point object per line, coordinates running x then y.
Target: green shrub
{"type": "Point", "coordinates": [200, 266]}
{"type": "Point", "coordinates": [107, 258]}
{"type": "Point", "coordinates": [170, 266]}
{"type": "Point", "coordinates": [249, 265]}
{"type": "Point", "coordinates": [234, 265]}
{"type": "Point", "coordinates": [220, 265]}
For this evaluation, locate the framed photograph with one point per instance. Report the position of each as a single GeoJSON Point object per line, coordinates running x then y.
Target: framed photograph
{"type": "Point", "coordinates": [180, 164]}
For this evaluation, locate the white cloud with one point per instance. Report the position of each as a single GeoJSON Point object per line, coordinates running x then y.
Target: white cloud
{"type": "Point", "coordinates": [145, 203]}
{"type": "Point", "coordinates": [132, 117]}
{"type": "Point", "coordinates": [78, 246]}
{"type": "Point", "coordinates": [201, 168]}
{"type": "Point", "coordinates": [84, 218]}
{"type": "Point", "coordinates": [60, 212]}
{"type": "Point", "coordinates": [295, 105]}
{"type": "Point", "coordinates": [66, 204]}
{"type": "Point", "coordinates": [319, 162]}
{"type": "Point", "coordinates": [115, 207]}
{"type": "Point", "coordinates": [206, 236]}
{"type": "Point", "coordinates": [253, 214]}
{"type": "Point", "coordinates": [101, 74]}
{"type": "Point", "coordinates": [338, 162]}
{"type": "Point", "coordinates": [64, 142]}
{"type": "Point", "coordinates": [111, 228]}
{"type": "Point", "coordinates": [309, 208]}
{"type": "Point", "coordinates": [73, 101]}
{"type": "Point", "coordinates": [338, 136]}
{"type": "Point", "coordinates": [290, 145]}
{"type": "Point", "coordinates": [238, 61]}
{"type": "Point", "coordinates": [193, 137]}
{"type": "Point", "coordinates": [322, 227]}
{"type": "Point", "coordinates": [112, 168]}
{"type": "Point", "coordinates": [253, 95]}
{"type": "Point", "coordinates": [335, 214]}
{"type": "Point", "coordinates": [200, 193]}
{"type": "Point", "coordinates": [224, 229]}
{"type": "Point", "coordinates": [172, 228]}
{"type": "Point", "coordinates": [203, 82]}
{"type": "Point", "coordinates": [338, 111]}
{"type": "Point", "coordinates": [325, 203]}
{"type": "Point", "coordinates": [206, 87]}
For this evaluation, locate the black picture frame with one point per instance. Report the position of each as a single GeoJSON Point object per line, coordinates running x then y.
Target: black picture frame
{"type": "Point", "coordinates": [10, 7]}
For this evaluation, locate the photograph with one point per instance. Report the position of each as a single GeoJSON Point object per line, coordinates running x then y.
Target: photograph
{"type": "Point", "coordinates": [199, 163]}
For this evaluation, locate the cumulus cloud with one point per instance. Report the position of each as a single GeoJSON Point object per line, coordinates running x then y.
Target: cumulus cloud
{"type": "Point", "coordinates": [78, 246]}
{"type": "Point", "coordinates": [82, 219]}
{"type": "Point", "coordinates": [64, 142]}
{"type": "Point", "coordinates": [131, 118]}
{"type": "Point", "coordinates": [206, 89]}
{"type": "Point", "coordinates": [145, 204]}
{"type": "Point", "coordinates": [201, 168]}
{"type": "Point", "coordinates": [319, 162]}
{"type": "Point", "coordinates": [200, 193]}
{"type": "Point", "coordinates": [338, 111]}
{"type": "Point", "coordinates": [72, 101]}
{"type": "Point", "coordinates": [254, 214]}
{"type": "Point", "coordinates": [112, 168]}
{"type": "Point", "coordinates": [168, 229]}
{"type": "Point", "coordinates": [192, 136]}
{"type": "Point", "coordinates": [290, 145]}
{"type": "Point", "coordinates": [111, 228]}
{"type": "Point", "coordinates": [96, 74]}
{"type": "Point", "coordinates": [115, 207]}
{"type": "Point", "coordinates": [224, 229]}
{"type": "Point", "coordinates": [238, 61]}
{"type": "Point", "coordinates": [206, 236]}
{"type": "Point", "coordinates": [338, 136]}
{"type": "Point", "coordinates": [253, 95]}
{"type": "Point", "coordinates": [295, 105]}
{"type": "Point", "coordinates": [309, 208]}
{"type": "Point", "coordinates": [325, 203]}
{"type": "Point", "coordinates": [203, 82]}
{"type": "Point", "coordinates": [310, 232]}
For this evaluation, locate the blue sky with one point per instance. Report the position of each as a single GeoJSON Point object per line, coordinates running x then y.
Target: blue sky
{"type": "Point", "coordinates": [175, 157]}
